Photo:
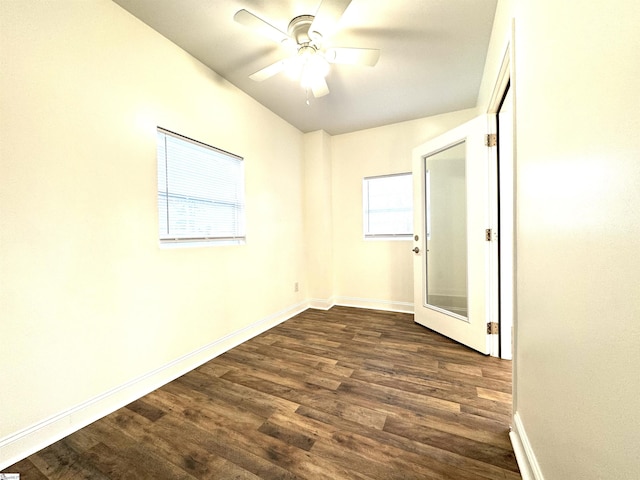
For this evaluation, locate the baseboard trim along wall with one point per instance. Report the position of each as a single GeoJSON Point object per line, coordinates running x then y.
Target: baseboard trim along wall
{"type": "Point", "coordinates": [372, 304]}
{"type": "Point", "coordinates": [21, 444]}
{"type": "Point", "coordinates": [529, 468]}
{"type": "Point", "coordinates": [321, 304]}
{"type": "Point", "coordinates": [386, 305]}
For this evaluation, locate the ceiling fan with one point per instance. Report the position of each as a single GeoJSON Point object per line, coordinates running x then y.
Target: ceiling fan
{"type": "Point", "coordinates": [306, 33]}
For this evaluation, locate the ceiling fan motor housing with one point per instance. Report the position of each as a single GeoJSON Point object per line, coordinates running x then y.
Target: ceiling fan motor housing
{"type": "Point", "coordinates": [299, 30]}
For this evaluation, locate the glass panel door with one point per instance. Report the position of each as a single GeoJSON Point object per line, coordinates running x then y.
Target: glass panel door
{"type": "Point", "coordinates": [446, 231]}
{"type": "Point", "coordinates": [451, 214]}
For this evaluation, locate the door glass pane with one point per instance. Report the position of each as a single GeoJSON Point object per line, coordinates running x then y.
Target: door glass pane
{"type": "Point", "coordinates": [446, 225]}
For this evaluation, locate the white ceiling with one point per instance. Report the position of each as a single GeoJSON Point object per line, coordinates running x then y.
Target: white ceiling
{"type": "Point", "coordinates": [431, 59]}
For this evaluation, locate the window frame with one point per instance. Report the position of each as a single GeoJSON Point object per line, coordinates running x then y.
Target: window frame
{"type": "Point", "coordinates": [367, 234]}
{"type": "Point", "coordinates": [192, 239]}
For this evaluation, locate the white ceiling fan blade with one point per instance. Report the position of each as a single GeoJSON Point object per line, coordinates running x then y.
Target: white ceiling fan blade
{"type": "Point", "coordinates": [261, 27]}
{"type": "Point", "coordinates": [327, 17]}
{"type": "Point", "coordinates": [270, 70]}
{"type": "Point", "coordinates": [353, 56]}
{"type": "Point", "coordinates": [320, 88]}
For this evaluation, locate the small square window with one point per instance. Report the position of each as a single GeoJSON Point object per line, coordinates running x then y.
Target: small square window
{"type": "Point", "coordinates": [200, 192]}
{"type": "Point", "coordinates": [388, 206]}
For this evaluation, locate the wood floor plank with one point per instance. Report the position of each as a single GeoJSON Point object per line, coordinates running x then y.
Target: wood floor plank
{"type": "Point", "coordinates": [343, 394]}
{"type": "Point", "coordinates": [482, 452]}
{"type": "Point", "coordinates": [221, 440]}
{"type": "Point", "coordinates": [502, 418]}
{"type": "Point", "coordinates": [304, 424]}
{"type": "Point", "coordinates": [288, 435]}
{"type": "Point", "coordinates": [190, 402]}
{"type": "Point", "coordinates": [401, 464]}
{"type": "Point", "coordinates": [128, 463]}
{"type": "Point", "coordinates": [324, 400]}
{"type": "Point", "coordinates": [147, 410]}
{"type": "Point", "coordinates": [289, 460]}
{"type": "Point", "coordinates": [434, 462]}
{"type": "Point", "coordinates": [488, 432]}
{"type": "Point", "coordinates": [394, 396]}
{"type": "Point", "coordinates": [261, 403]}
{"type": "Point", "coordinates": [127, 447]}
{"type": "Point", "coordinates": [61, 462]}
{"type": "Point", "coordinates": [370, 463]}
{"type": "Point", "coordinates": [272, 369]}
{"type": "Point", "coordinates": [488, 394]}
{"type": "Point", "coordinates": [183, 454]}
{"type": "Point", "coordinates": [27, 470]}
{"type": "Point", "coordinates": [183, 450]}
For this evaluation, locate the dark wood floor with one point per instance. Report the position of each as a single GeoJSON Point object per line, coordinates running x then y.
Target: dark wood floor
{"type": "Point", "coordinates": [343, 394]}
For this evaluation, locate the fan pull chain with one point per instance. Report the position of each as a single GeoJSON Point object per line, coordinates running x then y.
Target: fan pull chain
{"type": "Point", "coordinates": [307, 93]}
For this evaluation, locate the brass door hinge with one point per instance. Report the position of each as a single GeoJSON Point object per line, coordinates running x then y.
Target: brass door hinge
{"type": "Point", "coordinates": [493, 328]}
{"type": "Point", "coordinates": [487, 234]}
{"type": "Point", "coordinates": [490, 140]}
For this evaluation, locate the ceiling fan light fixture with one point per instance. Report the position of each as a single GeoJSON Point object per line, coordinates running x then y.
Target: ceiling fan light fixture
{"type": "Point", "coordinates": [294, 69]}
{"type": "Point", "coordinates": [314, 67]}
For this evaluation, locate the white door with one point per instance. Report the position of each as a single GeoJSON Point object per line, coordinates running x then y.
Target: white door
{"type": "Point", "coordinates": [451, 215]}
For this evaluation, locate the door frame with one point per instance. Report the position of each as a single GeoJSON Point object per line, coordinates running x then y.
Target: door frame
{"type": "Point", "coordinates": [504, 81]}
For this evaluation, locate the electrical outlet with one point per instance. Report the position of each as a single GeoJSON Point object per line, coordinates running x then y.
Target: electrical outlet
{"type": "Point", "coordinates": [295, 287]}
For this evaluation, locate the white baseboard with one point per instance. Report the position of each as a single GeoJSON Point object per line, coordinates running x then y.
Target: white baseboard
{"type": "Point", "coordinates": [385, 305]}
{"type": "Point", "coordinates": [369, 303]}
{"type": "Point", "coordinates": [321, 304]}
{"type": "Point", "coordinates": [23, 443]}
{"type": "Point", "coordinates": [529, 468]}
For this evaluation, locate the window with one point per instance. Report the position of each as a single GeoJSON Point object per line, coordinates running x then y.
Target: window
{"type": "Point", "coordinates": [200, 192]}
{"type": "Point", "coordinates": [388, 206]}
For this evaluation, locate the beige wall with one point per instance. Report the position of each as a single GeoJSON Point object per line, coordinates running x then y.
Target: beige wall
{"type": "Point", "coordinates": [88, 300]}
{"type": "Point", "coordinates": [375, 273]}
{"type": "Point", "coordinates": [578, 233]}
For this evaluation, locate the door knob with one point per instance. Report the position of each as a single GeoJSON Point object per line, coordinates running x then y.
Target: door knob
{"type": "Point", "coordinates": [416, 250]}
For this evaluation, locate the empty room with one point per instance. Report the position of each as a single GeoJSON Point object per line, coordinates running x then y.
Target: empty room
{"type": "Point", "coordinates": [319, 239]}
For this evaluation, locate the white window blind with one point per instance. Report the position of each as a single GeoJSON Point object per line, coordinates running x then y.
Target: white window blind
{"type": "Point", "coordinates": [200, 191]}
{"type": "Point", "coordinates": [388, 206]}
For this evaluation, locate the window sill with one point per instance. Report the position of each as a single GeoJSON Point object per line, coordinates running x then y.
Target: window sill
{"type": "Point", "coordinates": [171, 244]}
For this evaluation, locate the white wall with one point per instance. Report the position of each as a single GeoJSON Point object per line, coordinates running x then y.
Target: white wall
{"type": "Point", "coordinates": [89, 302]}
{"type": "Point", "coordinates": [375, 273]}
{"type": "Point", "coordinates": [578, 233]}
{"type": "Point", "coordinates": [318, 218]}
